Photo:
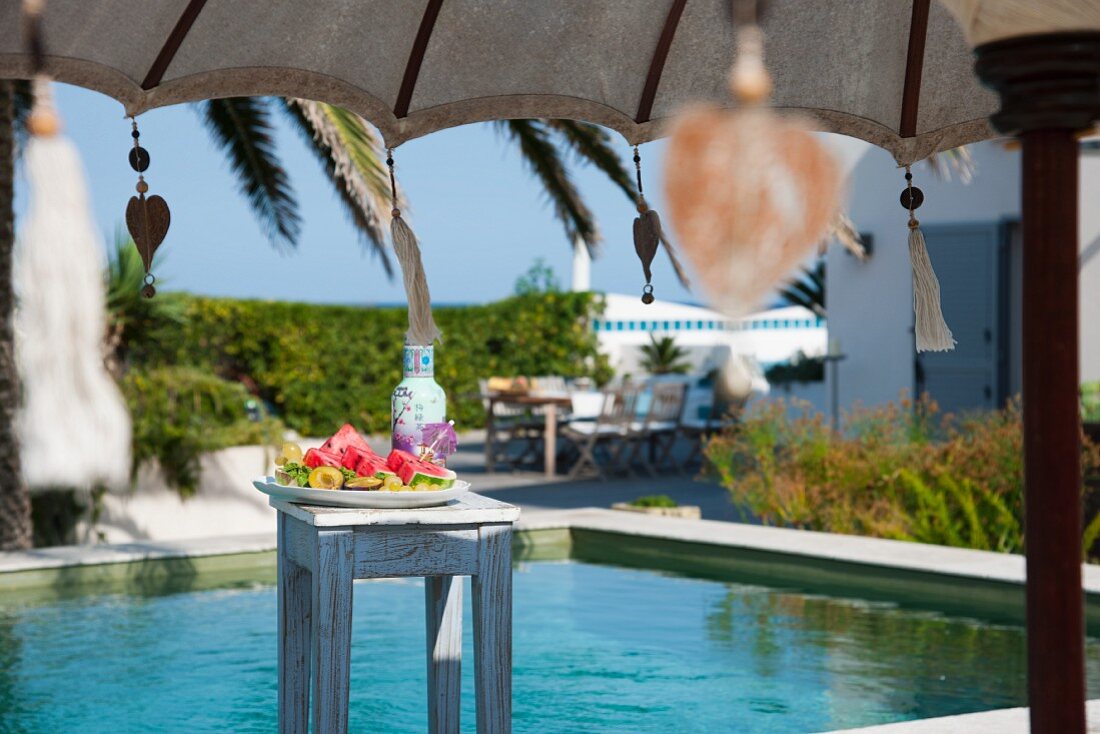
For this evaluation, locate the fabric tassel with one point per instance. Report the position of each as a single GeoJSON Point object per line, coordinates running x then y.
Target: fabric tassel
{"type": "Point", "coordinates": [422, 328]}
{"type": "Point", "coordinates": [70, 401]}
{"type": "Point", "coordinates": [933, 335]}
{"type": "Point", "coordinates": [931, 330]}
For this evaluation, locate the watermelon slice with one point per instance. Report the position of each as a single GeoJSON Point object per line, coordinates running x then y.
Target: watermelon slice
{"type": "Point", "coordinates": [354, 455]}
{"type": "Point", "coordinates": [413, 471]}
{"type": "Point", "coordinates": [371, 466]}
{"type": "Point", "coordinates": [319, 457]}
{"type": "Point", "coordinates": [347, 437]}
{"type": "Point", "coordinates": [397, 458]}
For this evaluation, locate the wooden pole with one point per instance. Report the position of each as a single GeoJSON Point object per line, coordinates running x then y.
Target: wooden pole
{"type": "Point", "coordinates": [1049, 87]}
{"type": "Point", "coordinates": [1052, 430]}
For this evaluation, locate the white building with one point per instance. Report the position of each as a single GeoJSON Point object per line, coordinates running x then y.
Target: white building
{"type": "Point", "coordinates": [767, 337]}
{"type": "Point", "coordinates": [973, 236]}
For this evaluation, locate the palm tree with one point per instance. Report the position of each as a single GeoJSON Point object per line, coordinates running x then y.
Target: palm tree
{"type": "Point", "coordinates": [540, 142]}
{"type": "Point", "coordinates": [15, 502]}
{"type": "Point", "coordinates": [664, 357]}
{"type": "Point", "coordinates": [808, 289]}
{"type": "Point", "coordinates": [350, 152]}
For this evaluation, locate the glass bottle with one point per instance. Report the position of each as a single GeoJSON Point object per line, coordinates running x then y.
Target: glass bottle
{"type": "Point", "coordinates": [418, 399]}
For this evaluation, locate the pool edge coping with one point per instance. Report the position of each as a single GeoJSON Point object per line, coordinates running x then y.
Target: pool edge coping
{"type": "Point", "coordinates": [997, 721]}
{"type": "Point", "coordinates": [843, 550]}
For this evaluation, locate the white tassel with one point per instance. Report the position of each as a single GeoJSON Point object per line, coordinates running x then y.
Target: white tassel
{"type": "Point", "coordinates": [422, 328]}
{"type": "Point", "coordinates": [932, 332]}
{"type": "Point", "coordinates": [74, 427]}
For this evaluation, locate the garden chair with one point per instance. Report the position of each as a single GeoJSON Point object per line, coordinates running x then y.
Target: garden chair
{"type": "Point", "coordinates": [586, 405]}
{"type": "Point", "coordinates": [658, 430]}
{"type": "Point", "coordinates": [722, 413]}
{"type": "Point", "coordinates": [606, 434]}
{"type": "Point", "coordinates": [504, 424]}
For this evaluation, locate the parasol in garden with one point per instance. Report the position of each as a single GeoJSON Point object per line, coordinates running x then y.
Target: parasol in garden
{"type": "Point", "coordinates": [897, 73]}
{"type": "Point", "coordinates": [417, 66]}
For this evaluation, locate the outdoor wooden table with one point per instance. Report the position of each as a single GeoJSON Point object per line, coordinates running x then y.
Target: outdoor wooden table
{"type": "Point", "coordinates": [549, 402]}
{"type": "Point", "coordinates": [323, 549]}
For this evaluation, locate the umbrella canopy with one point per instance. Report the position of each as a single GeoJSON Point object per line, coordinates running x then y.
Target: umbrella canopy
{"type": "Point", "coordinates": [897, 74]}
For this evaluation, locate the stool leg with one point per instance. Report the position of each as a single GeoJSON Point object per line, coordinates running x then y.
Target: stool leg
{"type": "Point", "coordinates": [294, 620]}
{"type": "Point", "coordinates": [492, 592]}
{"type": "Point", "coordinates": [332, 579]}
{"type": "Point", "coordinates": [443, 604]}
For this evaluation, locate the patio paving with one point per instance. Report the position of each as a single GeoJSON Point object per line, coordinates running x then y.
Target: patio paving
{"type": "Point", "coordinates": [532, 489]}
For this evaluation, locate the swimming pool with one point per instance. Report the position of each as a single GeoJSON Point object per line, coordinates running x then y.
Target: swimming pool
{"type": "Point", "coordinates": [597, 648]}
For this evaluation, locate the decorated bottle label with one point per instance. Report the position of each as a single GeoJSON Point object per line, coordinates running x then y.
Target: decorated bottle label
{"type": "Point", "coordinates": [418, 399]}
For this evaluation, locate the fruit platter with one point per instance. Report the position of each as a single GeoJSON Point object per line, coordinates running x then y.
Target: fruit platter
{"type": "Point", "coordinates": [346, 472]}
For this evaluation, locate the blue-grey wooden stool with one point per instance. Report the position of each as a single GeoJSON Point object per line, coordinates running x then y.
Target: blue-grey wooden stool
{"type": "Point", "coordinates": [323, 549]}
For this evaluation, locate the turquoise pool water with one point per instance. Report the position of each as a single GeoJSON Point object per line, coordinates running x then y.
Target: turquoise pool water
{"type": "Point", "coordinates": [597, 649]}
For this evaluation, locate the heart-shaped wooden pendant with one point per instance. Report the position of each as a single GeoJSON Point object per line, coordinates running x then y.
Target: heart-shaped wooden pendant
{"type": "Point", "coordinates": [750, 194]}
{"type": "Point", "coordinates": [147, 219]}
{"type": "Point", "coordinates": [645, 244]}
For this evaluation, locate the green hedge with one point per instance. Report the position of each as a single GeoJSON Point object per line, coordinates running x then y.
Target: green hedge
{"type": "Point", "coordinates": [180, 413]}
{"type": "Point", "coordinates": [320, 366]}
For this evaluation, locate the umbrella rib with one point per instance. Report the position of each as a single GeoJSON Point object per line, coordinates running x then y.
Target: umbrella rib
{"type": "Point", "coordinates": [172, 44]}
{"type": "Point", "coordinates": [416, 58]}
{"type": "Point", "coordinates": [914, 66]}
{"type": "Point", "coordinates": [657, 63]}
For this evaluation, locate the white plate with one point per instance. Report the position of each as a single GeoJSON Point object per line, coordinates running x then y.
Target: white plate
{"type": "Point", "coordinates": [358, 497]}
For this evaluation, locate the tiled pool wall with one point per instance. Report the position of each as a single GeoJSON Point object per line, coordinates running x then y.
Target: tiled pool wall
{"type": "Point", "coordinates": [987, 588]}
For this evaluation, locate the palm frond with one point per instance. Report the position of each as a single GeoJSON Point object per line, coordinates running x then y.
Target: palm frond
{"type": "Point", "coordinates": [351, 154]}
{"type": "Point", "coordinates": [542, 157]}
{"type": "Point", "coordinates": [807, 289]}
{"type": "Point", "coordinates": [592, 144]}
{"type": "Point", "coordinates": [241, 126]}
{"type": "Point", "coordinates": [663, 356]}
{"type": "Point", "coordinates": [957, 160]}
{"type": "Point", "coordinates": [843, 230]}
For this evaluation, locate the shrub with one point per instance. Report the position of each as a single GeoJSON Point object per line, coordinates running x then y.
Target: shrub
{"type": "Point", "coordinates": [902, 471]}
{"type": "Point", "coordinates": [800, 369]}
{"type": "Point", "coordinates": [654, 500]}
{"type": "Point", "coordinates": [321, 366]}
{"type": "Point", "coordinates": [1090, 401]}
{"type": "Point", "coordinates": [180, 413]}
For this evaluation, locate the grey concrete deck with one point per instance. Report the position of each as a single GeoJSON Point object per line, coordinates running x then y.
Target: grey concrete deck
{"type": "Point", "coordinates": [531, 489]}
{"type": "Point", "coordinates": [1002, 721]}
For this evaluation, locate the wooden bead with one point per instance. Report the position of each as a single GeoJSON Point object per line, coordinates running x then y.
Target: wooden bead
{"type": "Point", "coordinates": [44, 123]}
{"type": "Point", "coordinates": [142, 187]}
{"type": "Point", "coordinates": [139, 158]}
{"type": "Point", "coordinates": [395, 213]}
{"type": "Point", "coordinates": [750, 83]}
{"type": "Point", "coordinates": [911, 198]}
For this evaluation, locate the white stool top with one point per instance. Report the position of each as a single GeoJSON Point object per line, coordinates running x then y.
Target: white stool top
{"type": "Point", "coordinates": [469, 509]}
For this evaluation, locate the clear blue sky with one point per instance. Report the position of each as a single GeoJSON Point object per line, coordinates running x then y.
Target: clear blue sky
{"type": "Point", "coordinates": [480, 216]}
